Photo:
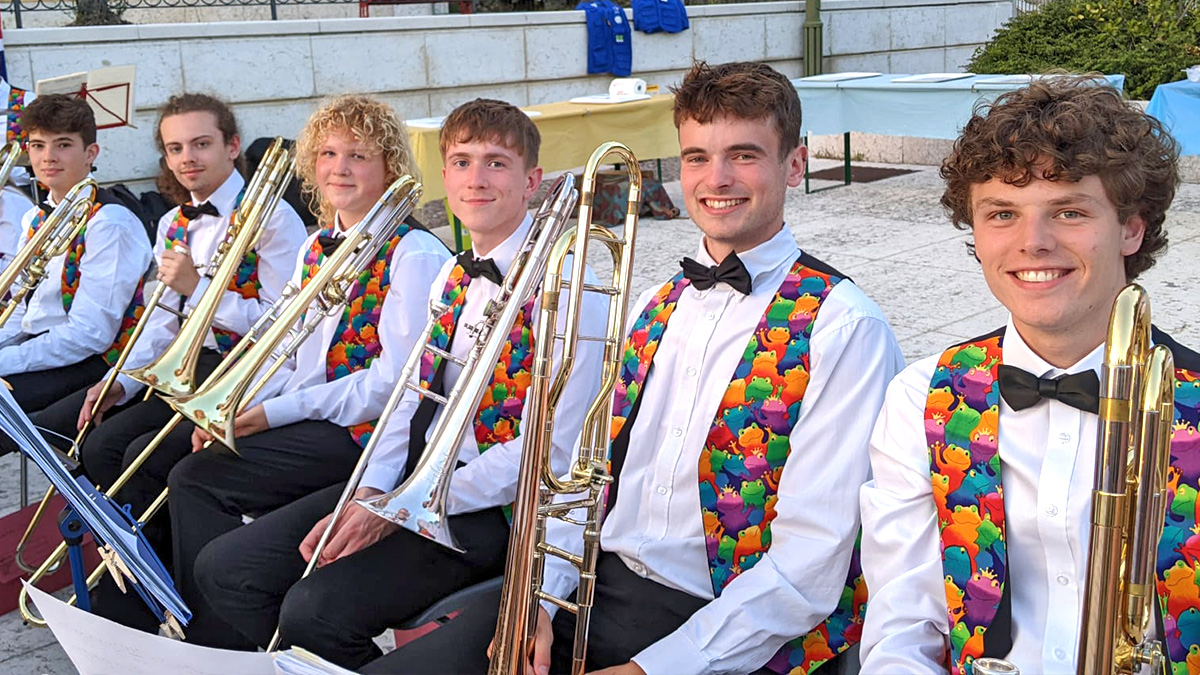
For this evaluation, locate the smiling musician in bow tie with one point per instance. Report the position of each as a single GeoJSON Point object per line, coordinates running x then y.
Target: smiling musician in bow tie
{"type": "Point", "coordinates": [976, 524]}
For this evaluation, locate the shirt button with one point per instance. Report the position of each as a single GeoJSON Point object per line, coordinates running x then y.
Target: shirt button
{"type": "Point", "coordinates": [691, 371]}
{"type": "Point", "coordinates": [638, 569]}
{"type": "Point", "coordinates": [1064, 438]}
{"type": "Point", "coordinates": [1060, 654]}
{"type": "Point", "coordinates": [711, 316]}
{"type": "Point", "coordinates": [1063, 580]}
{"type": "Point", "coordinates": [677, 432]}
{"type": "Point", "coordinates": [662, 489]}
{"type": "Point", "coordinates": [1052, 510]}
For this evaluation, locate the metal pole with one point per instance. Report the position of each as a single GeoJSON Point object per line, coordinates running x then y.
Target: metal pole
{"type": "Point", "coordinates": [813, 29]}
{"type": "Point", "coordinates": [274, 13]}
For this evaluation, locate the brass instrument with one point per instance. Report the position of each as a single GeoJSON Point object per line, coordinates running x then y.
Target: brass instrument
{"type": "Point", "coordinates": [215, 406]}
{"type": "Point", "coordinates": [537, 485]}
{"type": "Point", "coordinates": [553, 213]}
{"type": "Point", "coordinates": [1137, 400]}
{"type": "Point", "coordinates": [174, 370]}
{"type": "Point", "coordinates": [52, 239]}
{"type": "Point", "coordinates": [9, 156]}
{"type": "Point", "coordinates": [419, 504]}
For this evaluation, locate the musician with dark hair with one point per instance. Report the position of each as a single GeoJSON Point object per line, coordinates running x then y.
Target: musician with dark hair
{"type": "Point", "coordinates": [198, 136]}
{"type": "Point", "coordinates": [373, 574]}
{"type": "Point", "coordinates": [978, 517]}
{"type": "Point", "coordinates": [311, 435]}
{"type": "Point", "coordinates": [78, 318]}
{"type": "Point", "coordinates": [740, 432]}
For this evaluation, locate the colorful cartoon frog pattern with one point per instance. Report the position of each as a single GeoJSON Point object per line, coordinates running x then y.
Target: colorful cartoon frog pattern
{"type": "Point", "coordinates": [961, 429]}
{"type": "Point", "coordinates": [499, 417]}
{"type": "Point", "coordinates": [355, 341]}
{"type": "Point", "coordinates": [245, 279]}
{"type": "Point", "coordinates": [748, 445]}
{"type": "Point", "coordinates": [70, 284]}
{"type": "Point", "coordinates": [961, 426]}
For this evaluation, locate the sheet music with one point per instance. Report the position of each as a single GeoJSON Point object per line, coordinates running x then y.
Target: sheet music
{"type": "Point", "coordinates": [98, 646]}
{"type": "Point", "coordinates": [297, 661]}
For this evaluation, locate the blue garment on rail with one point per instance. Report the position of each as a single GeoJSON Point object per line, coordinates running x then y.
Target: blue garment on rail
{"type": "Point", "coordinates": [610, 41]}
{"type": "Point", "coordinates": [652, 16]}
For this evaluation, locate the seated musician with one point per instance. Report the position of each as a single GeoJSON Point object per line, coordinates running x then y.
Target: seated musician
{"type": "Point", "coordinates": [75, 322]}
{"type": "Point", "coordinates": [14, 204]}
{"type": "Point", "coordinates": [198, 136]}
{"type": "Point", "coordinates": [729, 545]}
{"type": "Point", "coordinates": [312, 434]}
{"type": "Point", "coordinates": [983, 456]}
{"type": "Point", "coordinates": [373, 574]}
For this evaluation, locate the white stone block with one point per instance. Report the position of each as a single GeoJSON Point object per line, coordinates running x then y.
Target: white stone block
{"type": "Point", "coordinates": [556, 52]}
{"type": "Point", "coordinates": [783, 38]}
{"type": "Point", "coordinates": [408, 106]}
{"type": "Point", "coordinates": [564, 90]}
{"type": "Point", "coordinates": [475, 56]}
{"type": "Point", "coordinates": [857, 32]}
{"type": "Point", "coordinates": [916, 28]}
{"type": "Point", "coordinates": [442, 102]}
{"type": "Point", "coordinates": [731, 38]}
{"type": "Point", "coordinates": [792, 68]}
{"type": "Point", "coordinates": [369, 63]}
{"type": "Point", "coordinates": [876, 62]}
{"type": "Point", "coordinates": [157, 66]}
{"type": "Point", "coordinates": [127, 153]}
{"type": "Point", "coordinates": [261, 69]}
{"type": "Point", "coordinates": [969, 24]}
{"type": "Point", "coordinates": [918, 61]}
{"type": "Point", "coordinates": [957, 58]}
{"type": "Point", "coordinates": [277, 118]}
{"type": "Point", "coordinates": [20, 67]}
{"type": "Point", "coordinates": [661, 51]}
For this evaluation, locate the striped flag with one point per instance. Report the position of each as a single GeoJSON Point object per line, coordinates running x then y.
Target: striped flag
{"type": "Point", "coordinates": [14, 100]}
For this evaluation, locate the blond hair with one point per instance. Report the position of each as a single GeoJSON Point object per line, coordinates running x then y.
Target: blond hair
{"type": "Point", "coordinates": [371, 122]}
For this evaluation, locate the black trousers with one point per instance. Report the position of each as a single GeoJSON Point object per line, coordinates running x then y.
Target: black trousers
{"type": "Point", "coordinates": [251, 577]}
{"type": "Point", "coordinates": [35, 391]}
{"type": "Point", "coordinates": [213, 489]}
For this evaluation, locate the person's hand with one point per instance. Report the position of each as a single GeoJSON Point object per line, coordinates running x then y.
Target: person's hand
{"type": "Point", "coordinates": [115, 393]}
{"type": "Point", "coordinates": [630, 668]}
{"type": "Point", "coordinates": [200, 439]}
{"type": "Point", "coordinates": [357, 529]}
{"type": "Point", "coordinates": [250, 421]}
{"type": "Point", "coordinates": [178, 271]}
{"type": "Point", "coordinates": [543, 638]}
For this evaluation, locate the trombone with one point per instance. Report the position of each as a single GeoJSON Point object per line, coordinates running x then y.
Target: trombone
{"type": "Point", "coordinates": [538, 485]}
{"type": "Point", "coordinates": [52, 239]}
{"type": "Point", "coordinates": [174, 370]}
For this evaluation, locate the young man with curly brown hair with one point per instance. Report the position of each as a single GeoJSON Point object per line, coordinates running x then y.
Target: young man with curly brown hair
{"type": "Point", "coordinates": [977, 520]}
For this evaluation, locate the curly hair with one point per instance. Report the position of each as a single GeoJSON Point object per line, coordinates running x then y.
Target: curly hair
{"type": "Point", "coordinates": [371, 122]}
{"type": "Point", "coordinates": [745, 90]}
{"type": "Point", "coordinates": [1066, 128]}
{"type": "Point", "coordinates": [180, 104]}
{"type": "Point", "coordinates": [486, 119]}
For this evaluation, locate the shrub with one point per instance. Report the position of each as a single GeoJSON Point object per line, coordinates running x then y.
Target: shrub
{"type": "Point", "coordinates": [1149, 41]}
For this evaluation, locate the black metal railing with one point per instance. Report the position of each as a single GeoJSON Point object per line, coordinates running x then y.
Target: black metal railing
{"type": "Point", "coordinates": [18, 7]}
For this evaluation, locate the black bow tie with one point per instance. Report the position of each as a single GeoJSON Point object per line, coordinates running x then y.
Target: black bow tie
{"type": "Point", "coordinates": [1022, 389]}
{"type": "Point", "coordinates": [483, 267]}
{"type": "Point", "coordinates": [329, 244]}
{"type": "Point", "coordinates": [731, 271]}
{"type": "Point", "coordinates": [193, 212]}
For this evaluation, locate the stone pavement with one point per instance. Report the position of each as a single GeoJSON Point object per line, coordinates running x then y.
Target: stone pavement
{"type": "Point", "coordinates": [890, 236]}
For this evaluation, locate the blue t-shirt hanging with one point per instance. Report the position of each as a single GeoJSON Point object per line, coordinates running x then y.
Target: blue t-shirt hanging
{"type": "Point", "coordinates": [610, 48]}
{"type": "Point", "coordinates": [652, 16]}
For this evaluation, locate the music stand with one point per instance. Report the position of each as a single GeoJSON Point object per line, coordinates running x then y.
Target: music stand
{"type": "Point", "coordinates": [109, 92]}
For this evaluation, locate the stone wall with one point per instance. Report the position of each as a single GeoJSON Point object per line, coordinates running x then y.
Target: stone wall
{"type": "Point", "coordinates": [276, 72]}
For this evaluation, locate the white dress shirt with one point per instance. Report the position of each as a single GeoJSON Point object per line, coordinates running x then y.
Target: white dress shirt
{"type": "Point", "coordinates": [656, 526]}
{"type": "Point", "coordinates": [13, 206]}
{"type": "Point", "coordinates": [360, 396]}
{"type": "Point", "coordinates": [490, 479]}
{"type": "Point", "coordinates": [40, 334]}
{"type": "Point", "coordinates": [1047, 458]}
{"type": "Point", "coordinates": [282, 237]}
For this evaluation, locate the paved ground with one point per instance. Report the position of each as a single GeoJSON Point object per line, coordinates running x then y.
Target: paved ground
{"type": "Point", "coordinates": [890, 236]}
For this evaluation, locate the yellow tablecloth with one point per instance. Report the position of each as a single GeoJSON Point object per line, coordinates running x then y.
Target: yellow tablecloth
{"type": "Point", "coordinates": [570, 132]}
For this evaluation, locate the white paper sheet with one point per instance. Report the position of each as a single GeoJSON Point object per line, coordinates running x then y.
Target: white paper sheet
{"type": "Point", "coordinates": [98, 646]}
{"type": "Point", "coordinates": [297, 661]}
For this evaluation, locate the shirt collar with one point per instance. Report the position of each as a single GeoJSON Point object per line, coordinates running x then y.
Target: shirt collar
{"type": "Point", "coordinates": [1018, 353]}
{"type": "Point", "coordinates": [764, 259]}
{"type": "Point", "coordinates": [226, 195]}
{"type": "Point", "coordinates": [49, 196]}
{"type": "Point", "coordinates": [504, 254]}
